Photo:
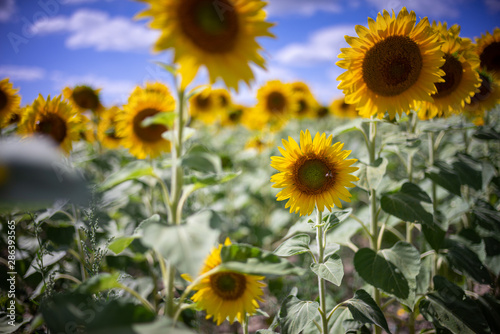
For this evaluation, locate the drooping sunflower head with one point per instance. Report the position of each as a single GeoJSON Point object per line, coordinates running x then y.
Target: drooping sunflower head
{"type": "Point", "coordinates": [143, 141]}
{"type": "Point", "coordinates": [275, 101]}
{"type": "Point", "coordinates": [83, 98]}
{"type": "Point", "coordinates": [391, 65]}
{"type": "Point", "coordinates": [106, 130]}
{"type": "Point", "coordinates": [51, 118]}
{"type": "Point", "coordinates": [226, 294]}
{"type": "Point", "coordinates": [314, 174]}
{"type": "Point", "coordinates": [342, 109]}
{"type": "Point", "coordinates": [487, 98]}
{"type": "Point", "coordinates": [488, 49]}
{"type": "Point", "coordinates": [220, 35]}
{"type": "Point", "coordinates": [9, 102]}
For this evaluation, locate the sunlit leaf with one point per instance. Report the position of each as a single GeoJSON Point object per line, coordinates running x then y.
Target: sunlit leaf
{"type": "Point", "coordinates": [332, 270]}
{"type": "Point", "coordinates": [295, 245]}
{"type": "Point", "coordinates": [295, 315]}
{"type": "Point", "coordinates": [132, 171]}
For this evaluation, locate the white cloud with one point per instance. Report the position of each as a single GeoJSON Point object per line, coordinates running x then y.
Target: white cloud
{"type": "Point", "coordinates": [493, 5]}
{"type": "Point", "coordinates": [302, 7]}
{"type": "Point", "coordinates": [431, 8]}
{"type": "Point", "coordinates": [323, 46]}
{"type": "Point", "coordinates": [22, 73]}
{"type": "Point", "coordinates": [92, 28]}
{"type": "Point", "coordinates": [7, 8]}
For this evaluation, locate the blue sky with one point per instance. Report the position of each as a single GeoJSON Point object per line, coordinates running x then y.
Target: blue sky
{"type": "Point", "coordinates": [46, 45]}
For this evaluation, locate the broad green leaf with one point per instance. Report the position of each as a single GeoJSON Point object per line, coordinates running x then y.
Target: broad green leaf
{"type": "Point", "coordinates": [364, 309]}
{"type": "Point", "coordinates": [490, 306]}
{"type": "Point", "coordinates": [119, 244]}
{"type": "Point", "coordinates": [467, 262]}
{"type": "Point", "coordinates": [486, 216]}
{"type": "Point", "coordinates": [332, 270]}
{"type": "Point", "coordinates": [252, 260]}
{"type": "Point", "coordinates": [434, 235]}
{"type": "Point", "coordinates": [451, 308]}
{"type": "Point", "coordinates": [468, 171]}
{"type": "Point", "coordinates": [199, 182]}
{"type": "Point", "coordinates": [406, 208]}
{"type": "Point", "coordinates": [416, 192]}
{"type": "Point", "coordinates": [295, 245]}
{"type": "Point", "coordinates": [8, 326]}
{"type": "Point", "coordinates": [100, 282]}
{"type": "Point", "coordinates": [202, 161]}
{"type": "Point", "coordinates": [132, 171]}
{"type": "Point", "coordinates": [335, 218]}
{"type": "Point", "coordinates": [446, 177]}
{"type": "Point", "coordinates": [160, 326]}
{"type": "Point", "coordinates": [166, 118]}
{"type": "Point", "coordinates": [486, 133]}
{"type": "Point", "coordinates": [392, 270]}
{"type": "Point", "coordinates": [336, 321]}
{"type": "Point", "coordinates": [488, 172]}
{"type": "Point", "coordinates": [167, 67]}
{"type": "Point", "coordinates": [371, 176]}
{"type": "Point", "coordinates": [196, 91]}
{"type": "Point", "coordinates": [265, 331]}
{"type": "Point", "coordinates": [295, 315]}
{"type": "Point", "coordinates": [353, 125]}
{"type": "Point", "coordinates": [47, 259]}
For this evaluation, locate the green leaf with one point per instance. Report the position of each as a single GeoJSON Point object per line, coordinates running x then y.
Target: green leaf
{"type": "Point", "coordinates": [466, 261]}
{"type": "Point", "coordinates": [486, 216]}
{"type": "Point", "coordinates": [295, 315]}
{"type": "Point", "coordinates": [99, 283]}
{"type": "Point", "coordinates": [405, 207]}
{"type": "Point", "coordinates": [392, 270]}
{"type": "Point", "coordinates": [196, 91]}
{"type": "Point", "coordinates": [371, 176]}
{"type": "Point", "coordinates": [295, 245]}
{"type": "Point", "coordinates": [162, 326]}
{"type": "Point", "coordinates": [434, 235]}
{"type": "Point", "coordinates": [202, 161]}
{"type": "Point", "coordinates": [166, 118]}
{"type": "Point", "coordinates": [364, 309]}
{"type": "Point", "coordinates": [468, 171]}
{"type": "Point", "coordinates": [416, 192]}
{"type": "Point", "coordinates": [446, 177]}
{"type": "Point", "coordinates": [199, 182]}
{"type": "Point", "coordinates": [449, 307]}
{"type": "Point", "coordinates": [332, 270]}
{"type": "Point", "coordinates": [252, 260]}
{"type": "Point", "coordinates": [335, 218]}
{"type": "Point", "coordinates": [119, 244]}
{"type": "Point", "coordinates": [486, 133]}
{"type": "Point", "coordinates": [167, 67]}
{"type": "Point", "coordinates": [490, 306]}
{"type": "Point", "coordinates": [132, 171]}
{"type": "Point", "coordinates": [353, 125]}
{"type": "Point", "coordinates": [488, 171]}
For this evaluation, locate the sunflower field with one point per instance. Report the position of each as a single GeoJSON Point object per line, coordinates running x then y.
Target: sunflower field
{"type": "Point", "coordinates": [183, 211]}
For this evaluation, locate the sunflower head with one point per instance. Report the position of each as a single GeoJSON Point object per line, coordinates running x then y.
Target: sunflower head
{"type": "Point", "coordinates": [484, 100]}
{"type": "Point", "coordinates": [51, 118]}
{"type": "Point", "coordinates": [150, 87]}
{"type": "Point", "coordinates": [83, 98]}
{"type": "Point", "coordinates": [321, 111]}
{"type": "Point", "coordinates": [233, 115]}
{"type": "Point", "coordinates": [106, 130]}
{"type": "Point", "coordinates": [226, 294]}
{"type": "Point", "coordinates": [305, 104]}
{"type": "Point", "coordinates": [205, 106]}
{"type": "Point", "coordinates": [488, 49]}
{"type": "Point", "coordinates": [391, 64]}
{"type": "Point", "coordinates": [220, 35]}
{"type": "Point", "coordinates": [314, 174]}
{"type": "Point", "coordinates": [276, 103]}
{"type": "Point", "coordinates": [342, 109]}
{"type": "Point", "coordinates": [9, 102]}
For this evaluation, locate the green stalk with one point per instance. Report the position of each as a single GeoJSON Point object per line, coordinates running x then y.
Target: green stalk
{"type": "Point", "coordinates": [244, 325]}
{"type": "Point", "coordinates": [431, 163]}
{"type": "Point", "coordinates": [321, 282]}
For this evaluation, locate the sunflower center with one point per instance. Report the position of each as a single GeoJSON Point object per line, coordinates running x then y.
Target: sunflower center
{"type": "Point", "coordinates": [210, 25]}
{"type": "Point", "coordinates": [228, 286]}
{"type": "Point", "coordinates": [85, 98]}
{"type": "Point", "coordinates": [303, 106]}
{"type": "Point", "coordinates": [276, 102]}
{"type": "Point", "coordinates": [453, 71]}
{"type": "Point", "coordinates": [223, 101]}
{"type": "Point", "coordinates": [313, 175]}
{"type": "Point", "coordinates": [484, 91]}
{"type": "Point", "coordinates": [322, 112]}
{"type": "Point", "coordinates": [392, 65]}
{"type": "Point", "coordinates": [203, 102]}
{"type": "Point", "coordinates": [14, 118]}
{"type": "Point", "coordinates": [490, 57]}
{"type": "Point", "coordinates": [151, 133]}
{"type": "Point", "coordinates": [235, 115]}
{"type": "Point", "coordinates": [52, 125]}
{"type": "Point", "coordinates": [3, 100]}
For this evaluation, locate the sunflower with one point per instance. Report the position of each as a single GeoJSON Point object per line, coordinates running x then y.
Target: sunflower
{"type": "Point", "coordinates": [488, 49]}
{"type": "Point", "coordinates": [222, 97]}
{"type": "Point", "coordinates": [342, 109]}
{"type": "Point", "coordinates": [151, 87]}
{"type": "Point", "coordinates": [226, 295]}
{"type": "Point", "coordinates": [305, 105]}
{"type": "Point", "coordinates": [86, 128]}
{"type": "Point", "coordinates": [300, 87]}
{"type": "Point", "coordinates": [106, 130]}
{"type": "Point", "coordinates": [83, 98]}
{"type": "Point", "coordinates": [391, 65]}
{"type": "Point", "coordinates": [321, 111]}
{"type": "Point", "coordinates": [461, 79]}
{"type": "Point", "coordinates": [9, 102]}
{"type": "Point", "coordinates": [205, 106]}
{"type": "Point", "coordinates": [258, 143]}
{"type": "Point", "coordinates": [220, 35]}
{"type": "Point", "coordinates": [485, 100]}
{"type": "Point", "coordinates": [254, 119]}
{"type": "Point", "coordinates": [276, 103]}
{"type": "Point", "coordinates": [143, 141]}
{"type": "Point", "coordinates": [314, 174]}
{"type": "Point", "coordinates": [52, 118]}
{"type": "Point", "coordinates": [233, 115]}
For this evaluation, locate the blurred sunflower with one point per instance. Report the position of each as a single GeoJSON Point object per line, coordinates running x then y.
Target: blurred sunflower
{"type": "Point", "coordinates": [391, 65]}
{"type": "Point", "coordinates": [461, 79]}
{"type": "Point", "coordinates": [52, 118]}
{"type": "Point", "coordinates": [300, 87]}
{"type": "Point", "coordinates": [313, 174]}
{"type": "Point", "coordinates": [87, 128]}
{"type": "Point", "coordinates": [204, 106]}
{"type": "Point", "coordinates": [106, 130]}
{"type": "Point", "coordinates": [233, 115]}
{"type": "Point", "coordinates": [151, 87]}
{"type": "Point", "coordinates": [226, 295]}
{"type": "Point", "coordinates": [9, 102]}
{"type": "Point", "coordinates": [485, 100]}
{"type": "Point", "coordinates": [275, 102]}
{"type": "Point", "coordinates": [342, 109]}
{"type": "Point", "coordinates": [83, 98]}
{"type": "Point", "coordinates": [220, 35]}
{"type": "Point", "coordinates": [258, 143]}
{"type": "Point", "coordinates": [488, 49]}
{"type": "Point", "coordinates": [321, 111]}
{"type": "Point", "coordinates": [222, 97]}
{"type": "Point", "coordinates": [305, 105]}
{"type": "Point", "coordinates": [254, 119]}
{"type": "Point", "coordinates": [143, 141]}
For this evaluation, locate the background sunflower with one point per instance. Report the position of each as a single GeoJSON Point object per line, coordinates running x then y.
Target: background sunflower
{"type": "Point", "coordinates": [10, 102]}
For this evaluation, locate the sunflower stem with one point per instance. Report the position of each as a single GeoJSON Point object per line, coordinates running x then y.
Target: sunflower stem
{"type": "Point", "coordinates": [431, 163]}
{"type": "Point", "coordinates": [244, 325]}
{"type": "Point", "coordinates": [321, 282]}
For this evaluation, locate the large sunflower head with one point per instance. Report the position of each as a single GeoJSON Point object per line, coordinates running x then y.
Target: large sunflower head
{"type": "Point", "coordinates": [106, 130]}
{"type": "Point", "coordinates": [9, 102]}
{"type": "Point", "coordinates": [51, 118]}
{"type": "Point", "coordinates": [226, 295]}
{"type": "Point", "coordinates": [488, 49]}
{"type": "Point", "coordinates": [314, 174]}
{"type": "Point", "coordinates": [487, 98]}
{"type": "Point", "coordinates": [83, 98]}
{"type": "Point", "coordinates": [275, 101]}
{"type": "Point", "coordinates": [143, 141]}
{"type": "Point", "coordinates": [342, 109]}
{"type": "Point", "coordinates": [220, 35]}
{"type": "Point", "coordinates": [205, 106]}
{"type": "Point", "coordinates": [461, 79]}
{"type": "Point", "coordinates": [391, 65]}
